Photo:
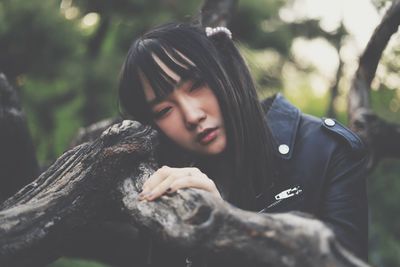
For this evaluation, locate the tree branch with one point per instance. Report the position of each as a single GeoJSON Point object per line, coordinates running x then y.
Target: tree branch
{"type": "Point", "coordinates": [73, 192]}
{"type": "Point", "coordinates": [99, 182]}
{"type": "Point", "coordinates": [383, 138]}
{"type": "Point", "coordinates": [195, 220]}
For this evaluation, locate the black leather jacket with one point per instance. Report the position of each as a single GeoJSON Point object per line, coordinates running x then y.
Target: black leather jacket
{"type": "Point", "coordinates": [321, 170]}
{"type": "Point", "coordinates": [323, 165]}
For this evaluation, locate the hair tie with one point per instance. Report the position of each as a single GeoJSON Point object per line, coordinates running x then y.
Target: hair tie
{"type": "Point", "coordinates": [212, 31]}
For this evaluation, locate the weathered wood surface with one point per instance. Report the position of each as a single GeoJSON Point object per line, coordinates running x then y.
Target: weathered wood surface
{"type": "Point", "coordinates": [93, 131]}
{"type": "Point", "coordinates": [99, 182]}
{"type": "Point", "coordinates": [382, 137]}
{"type": "Point", "coordinates": [74, 191]}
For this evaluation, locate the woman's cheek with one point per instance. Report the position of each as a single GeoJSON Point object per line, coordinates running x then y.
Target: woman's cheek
{"type": "Point", "coordinates": [171, 127]}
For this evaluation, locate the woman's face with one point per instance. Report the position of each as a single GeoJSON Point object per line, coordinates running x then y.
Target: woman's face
{"type": "Point", "coordinates": [190, 116]}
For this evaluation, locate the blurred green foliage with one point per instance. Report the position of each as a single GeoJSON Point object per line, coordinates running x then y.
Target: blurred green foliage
{"type": "Point", "coordinates": [383, 194]}
{"type": "Point", "coordinates": [64, 58]}
{"type": "Point", "coordinates": [67, 262]}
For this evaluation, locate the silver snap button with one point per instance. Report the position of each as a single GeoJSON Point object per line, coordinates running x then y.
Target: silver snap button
{"type": "Point", "coordinates": [329, 122]}
{"type": "Point", "coordinates": [283, 149]}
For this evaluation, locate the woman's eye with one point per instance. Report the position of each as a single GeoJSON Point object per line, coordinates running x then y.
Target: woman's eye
{"type": "Point", "coordinates": [161, 113]}
{"type": "Point", "coordinates": [198, 83]}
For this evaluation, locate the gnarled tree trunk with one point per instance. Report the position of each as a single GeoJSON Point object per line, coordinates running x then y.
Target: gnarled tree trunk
{"type": "Point", "coordinates": [99, 182]}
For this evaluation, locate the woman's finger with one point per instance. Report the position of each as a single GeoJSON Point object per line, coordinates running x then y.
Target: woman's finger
{"type": "Point", "coordinates": [175, 174]}
{"type": "Point", "coordinates": [168, 180]}
{"type": "Point", "coordinates": [161, 174]}
{"type": "Point", "coordinates": [200, 182]}
{"type": "Point", "coordinates": [161, 188]}
{"type": "Point", "coordinates": [156, 178]}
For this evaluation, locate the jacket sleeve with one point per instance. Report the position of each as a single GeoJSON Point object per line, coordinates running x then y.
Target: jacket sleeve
{"type": "Point", "coordinates": [344, 207]}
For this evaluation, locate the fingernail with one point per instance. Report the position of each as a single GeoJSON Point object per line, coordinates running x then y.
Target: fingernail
{"type": "Point", "coordinates": [149, 196]}
{"type": "Point", "coordinates": [169, 189]}
{"type": "Point", "coordinates": [143, 194]}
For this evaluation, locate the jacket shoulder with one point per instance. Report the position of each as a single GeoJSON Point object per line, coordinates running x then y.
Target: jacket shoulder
{"type": "Point", "coordinates": [292, 130]}
{"type": "Point", "coordinates": [331, 129]}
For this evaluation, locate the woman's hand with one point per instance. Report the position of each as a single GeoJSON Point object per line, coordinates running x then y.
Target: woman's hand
{"type": "Point", "coordinates": [168, 180]}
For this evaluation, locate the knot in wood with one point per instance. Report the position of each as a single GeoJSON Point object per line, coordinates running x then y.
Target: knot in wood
{"type": "Point", "coordinates": [129, 137]}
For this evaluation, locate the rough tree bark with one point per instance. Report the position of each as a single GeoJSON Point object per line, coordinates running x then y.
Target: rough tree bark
{"type": "Point", "coordinates": [93, 131]}
{"type": "Point", "coordinates": [17, 154]}
{"type": "Point", "coordinates": [73, 193]}
{"type": "Point", "coordinates": [99, 182]}
{"type": "Point", "coordinates": [383, 138]}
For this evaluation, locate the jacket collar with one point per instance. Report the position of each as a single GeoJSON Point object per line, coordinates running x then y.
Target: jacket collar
{"type": "Point", "coordinates": [283, 120]}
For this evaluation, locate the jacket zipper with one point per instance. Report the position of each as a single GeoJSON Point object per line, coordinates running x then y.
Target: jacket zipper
{"type": "Point", "coordinates": [289, 193]}
{"type": "Point", "coordinates": [188, 262]}
{"type": "Point", "coordinates": [283, 195]}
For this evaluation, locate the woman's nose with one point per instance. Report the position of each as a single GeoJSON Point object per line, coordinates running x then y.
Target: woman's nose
{"type": "Point", "coordinates": [192, 114]}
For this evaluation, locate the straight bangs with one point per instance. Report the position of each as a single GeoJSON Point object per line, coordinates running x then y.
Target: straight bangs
{"type": "Point", "coordinates": [153, 56]}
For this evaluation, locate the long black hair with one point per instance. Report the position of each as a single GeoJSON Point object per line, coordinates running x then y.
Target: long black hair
{"type": "Point", "coordinates": [187, 51]}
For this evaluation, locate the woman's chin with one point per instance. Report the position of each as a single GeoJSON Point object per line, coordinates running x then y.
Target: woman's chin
{"type": "Point", "coordinates": [215, 148]}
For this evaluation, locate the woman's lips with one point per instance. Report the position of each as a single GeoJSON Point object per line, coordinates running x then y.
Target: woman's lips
{"type": "Point", "coordinates": [208, 136]}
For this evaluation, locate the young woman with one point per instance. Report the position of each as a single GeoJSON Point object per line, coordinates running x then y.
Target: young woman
{"type": "Point", "coordinates": [194, 87]}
